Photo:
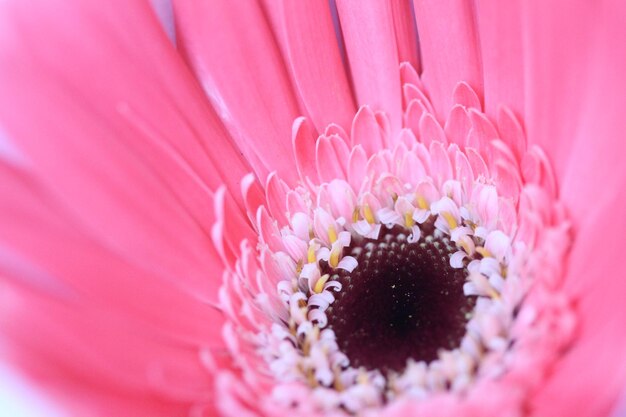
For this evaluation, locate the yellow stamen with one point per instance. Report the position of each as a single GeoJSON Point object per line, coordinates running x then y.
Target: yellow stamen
{"type": "Point", "coordinates": [299, 266]}
{"type": "Point", "coordinates": [355, 215]}
{"type": "Point", "coordinates": [362, 377]}
{"type": "Point", "coordinates": [422, 203]}
{"type": "Point", "coordinates": [292, 326]}
{"type": "Point", "coordinates": [333, 261]}
{"type": "Point", "coordinates": [484, 252]}
{"type": "Point", "coordinates": [337, 381]}
{"type": "Point", "coordinates": [309, 339]}
{"type": "Point", "coordinates": [465, 246]}
{"type": "Point", "coordinates": [311, 378]}
{"type": "Point", "coordinates": [408, 219]}
{"type": "Point", "coordinates": [315, 333]}
{"type": "Point", "coordinates": [332, 234]}
{"type": "Point", "coordinates": [311, 254]}
{"type": "Point", "coordinates": [319, 285]}
{"type": "Point", "coordinates": [367, 213]}
{"type": "Point", "coordinates": [450, 219]}
{"type": "Point", "coordinates": [493, 294]}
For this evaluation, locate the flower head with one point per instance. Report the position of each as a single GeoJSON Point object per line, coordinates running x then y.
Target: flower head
{"type": "Point", "coordinates": [307, 208]}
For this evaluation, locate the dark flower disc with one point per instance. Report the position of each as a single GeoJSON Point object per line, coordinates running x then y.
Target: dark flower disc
{"type": "Point", "coordinates": [403, 301]}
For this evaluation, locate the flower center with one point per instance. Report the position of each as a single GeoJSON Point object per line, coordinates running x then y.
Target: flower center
{"type": "Point", "coordinates": [403, 301]}
{"type": "Point", "coordinates": [415, 267]}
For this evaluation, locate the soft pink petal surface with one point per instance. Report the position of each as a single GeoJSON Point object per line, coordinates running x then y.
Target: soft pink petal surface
{"type": "Point", "coordinates": [370, 41]}
{"type": "Point", "coordinates": [450, 52]}
{"type": "Point", "coordinates": [107, 208]}
{"type": "Point", "coordinates": [502, 56]}
{"type": "Point", "coordinates": [575, 82]}
{"type": "Point", "coordinates": [234, 55]}
{"type": "Point", "coordinates": [315, 61]}
{"type": "Point", "coordinates": [406, 32]}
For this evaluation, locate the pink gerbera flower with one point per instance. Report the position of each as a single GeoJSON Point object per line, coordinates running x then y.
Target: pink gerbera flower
{"type": "Point", "coordinates": [308, 208]}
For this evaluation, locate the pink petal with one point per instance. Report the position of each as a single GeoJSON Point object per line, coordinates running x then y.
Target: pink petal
{"type": "Point", "coordinates": [334, 129]}
{"type": "Point", "coordinates": [164, 111]}
{"type": "Point", "coordinates": [464, 95]}
{"type": "Point", "coordinates": [111, 208]}
{"type": "Point", "coordinates": [367, 132]}
{"type": "Point", "coordinates": [483, 130]}
{"type": "Point", "coordinates": [303, 142]}
{"type": "Point", "coordinates": [450, 51]}
{"type": "Point", "coordinates": [230, 227]}
{"type": "Point", "coordinates": [508, 181]}
{"type": "Point", "coordinates": [536, 168]}
{"type": "Point", "coordinates": [253, 196]}
{"type": "Point", "coordinates": [163, 10]}
{"type": "Point", "coordinates": [406, 34]}
{"type": "Point", "coordinates": [276, 197]}
{"type": "Point", "coordinates": [273, 11]}
{"type": "Point", "coordinates": [564, 114]}
{"type": "Point", "coordinates": [479, 167]}
{"type": "Point", "coordinates": [511, 132]}
{"type": "Point", "coordinates": [268, 230]}
{"type": "Point", "coordinates": [407, 138]}
{"type": "Point", "coordinates": [408, 75]}
{"type": "Point", "coordinates": [440, 164]}
{"type": "Point", "coordinates": [411, 92]}
{"type": "Point", "coordinates": [233, 53]}
{"type": "Point", "coordinates": [500, 151]}
{"type": "Point", "coordinates": [356, 166]}
{"type": "Point", "coordinates": [322, 222]}
{"type": "Point", "coordinates": [413, 115]}
{"type": "Point", "coordinates": [457, 125]}
{"type": "Point", "coordinates": [371, 48]}
{"type": "Point", "coordinates": [430, 130]}
{"type": "Point", "coordinates": [342, 198]}
{"type": "Point", "coordinates": [486, 202]}
{"type": "Point", "coordinates": [130, 366]}
{"type": "Point", "coordinates": [411, 169]}
{"type": "Point", "coordinates": [332, 155]}
{"type": "Point", "coordinates": [578, 119]}
{"type": "Point", "coordinates": [315, 61]}
{"type": "Point", "coordinates": [117, 278]}
{"type": "Point", "coordinates": [376, 166]}
{"type": "Point", "coordinates": [499, 25]}
{"type": "Point", "coordinates": [140, 124]}
{"type": "Point", "coordinates": [592, 374]}
{"type": "Point", "coordinates": [296, 202]}
{"type": "Point", "coordinates": [123, 341]}
{"type": "Point", "coordinates": [464, 172]}
{"type": "Point", "coordinates": [385, 128]}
